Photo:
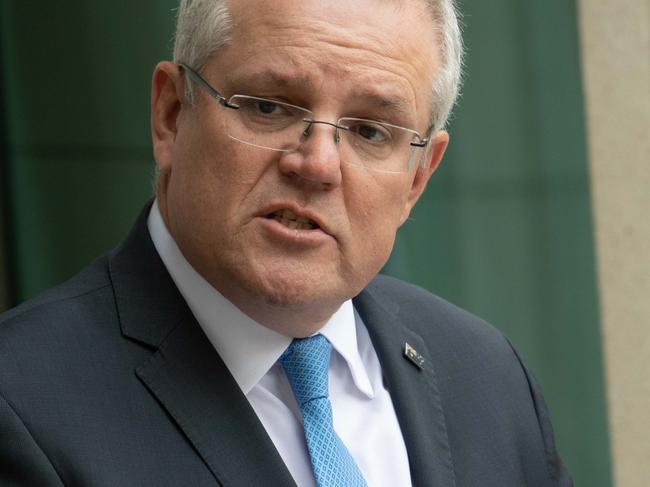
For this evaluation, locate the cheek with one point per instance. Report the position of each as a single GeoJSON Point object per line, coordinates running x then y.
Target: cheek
{"type": "Point", "coordinates": [194, 195]}
{"type": "Point", "coordinates": [379, 198]}
{"type": "Point", "coordinates": [377, 212]}
{"type": "Point", "coordinates": [204, 169]}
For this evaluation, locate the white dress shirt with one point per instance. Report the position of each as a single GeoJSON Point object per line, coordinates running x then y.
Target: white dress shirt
{"type": "Point", "coordinates": [364, 416]}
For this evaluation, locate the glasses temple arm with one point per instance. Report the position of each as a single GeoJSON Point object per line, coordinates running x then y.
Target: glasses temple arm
{"type": "Point", "coordinates": [210, 90]}
{"type": "Point", "coordinates": [422, 143]}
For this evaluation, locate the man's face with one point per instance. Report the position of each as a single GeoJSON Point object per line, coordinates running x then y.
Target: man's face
{"type": "Point", "coordinates": [336, 58]}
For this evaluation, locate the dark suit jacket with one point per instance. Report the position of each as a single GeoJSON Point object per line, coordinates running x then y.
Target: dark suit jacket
{"type": "Point", "coordinates": [108, 380]}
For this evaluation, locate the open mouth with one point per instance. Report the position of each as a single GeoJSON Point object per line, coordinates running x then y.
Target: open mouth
{"type": "Point", "coordinates": [293, 221]}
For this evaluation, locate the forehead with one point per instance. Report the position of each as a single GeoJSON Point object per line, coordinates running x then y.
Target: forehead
{"type": "Point", "coordinates": [376, 48]}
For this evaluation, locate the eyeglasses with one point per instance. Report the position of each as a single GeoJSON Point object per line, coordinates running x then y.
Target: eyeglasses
{"type": "Point", "coordinates": [283, 127]}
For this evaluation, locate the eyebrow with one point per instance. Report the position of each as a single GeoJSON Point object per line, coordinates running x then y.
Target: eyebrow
{"type": "Point", "coordinates": [393, 103]}
{"type": "Point", "coordinates": [274, 78]}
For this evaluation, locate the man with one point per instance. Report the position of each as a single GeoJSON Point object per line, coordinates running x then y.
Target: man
{"type": "Point", "coordinates": [240, 335]}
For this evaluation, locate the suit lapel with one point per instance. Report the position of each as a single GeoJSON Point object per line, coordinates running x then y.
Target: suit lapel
{"type": "Point", "coordinates": [186, 374]}
{"type": "Point", "coordinates": [192, 383]}
{"type": "Point", "coordinates": [414, 391]}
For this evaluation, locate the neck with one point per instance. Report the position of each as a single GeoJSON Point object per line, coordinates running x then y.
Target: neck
{"type": "Point", "coordinates": [296, 321]}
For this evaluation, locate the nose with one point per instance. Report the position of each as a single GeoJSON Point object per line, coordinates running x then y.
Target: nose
{"type": "Point", "coordinates": [316, 161]}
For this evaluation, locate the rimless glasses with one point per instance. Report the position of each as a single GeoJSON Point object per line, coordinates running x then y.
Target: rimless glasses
{"type": "Point", "coordinates": [279, 126]}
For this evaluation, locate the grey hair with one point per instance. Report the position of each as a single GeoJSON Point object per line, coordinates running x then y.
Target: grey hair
{"type": "Point", "coordinates": [446, 86]}
{"type": "Point", "coordinates": [204, 26]}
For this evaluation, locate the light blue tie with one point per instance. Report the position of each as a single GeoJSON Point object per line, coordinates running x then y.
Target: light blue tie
{"type": "Point", "coordinates": [306, 362]}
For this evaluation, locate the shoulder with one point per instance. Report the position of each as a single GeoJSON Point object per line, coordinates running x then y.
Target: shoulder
{"type": "Point", "coordinates": [43, 321]}
{"type": "Point", "coordinates": [432, 316]}
{"type": "Point", "coordinates": [460, 345]}
{"type": "Point", "coordinates": [93, 278]}
{"type": "Point", "coordinates": [491, 400]}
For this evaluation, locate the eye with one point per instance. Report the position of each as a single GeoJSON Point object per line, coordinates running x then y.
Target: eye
{"type": "Point", "coordinates": [262, 108]}
{"type": "Point", "coordinates": [268, 107]}
{"type": "Point", "coordinates": [371, 132]}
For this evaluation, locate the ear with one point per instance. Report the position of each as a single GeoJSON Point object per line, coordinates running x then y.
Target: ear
{"type": "Point", "coordinates": [435, 151]}
{"type": "Point", "coordinates": [166, 100]}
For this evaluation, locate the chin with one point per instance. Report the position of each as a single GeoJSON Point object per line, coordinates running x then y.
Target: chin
{"type": "Point", "coordinates": [288, 284]}
{"type": "Point", "coordinates": [286, 291]}
{"type": "Point", "coordinates": [297, 289]}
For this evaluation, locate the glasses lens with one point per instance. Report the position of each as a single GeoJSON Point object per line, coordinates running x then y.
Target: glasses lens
{"type": "Point", "coordinates": [267, 123]}
{"type": "Point", "coordinates": [272, 124]}
{"type": "Point", "coordinates": [376, 145]}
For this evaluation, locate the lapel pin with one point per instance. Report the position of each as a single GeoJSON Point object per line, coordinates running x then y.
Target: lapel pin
{"type": "Point", "coordinates": [413, 355]}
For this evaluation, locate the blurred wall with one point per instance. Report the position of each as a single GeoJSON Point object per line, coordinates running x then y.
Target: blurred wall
{"type": "Point", "coordinates": [616, 65]}
{"type": "Point", "coordinates": [76, 79]}
{"type": "Point", "coordinates": [4, 261]}
{"type": "Point", "coordinates": [5, 300]}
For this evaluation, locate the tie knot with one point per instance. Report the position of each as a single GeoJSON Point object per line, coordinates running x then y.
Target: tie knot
{"type": "Point", "coordinates": [306, 362]}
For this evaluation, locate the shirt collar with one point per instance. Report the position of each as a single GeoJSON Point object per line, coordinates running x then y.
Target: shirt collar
{"type": "Point", "coordinates": [247, 348]}
{"type": "Point", "coordinates": [341, 331]}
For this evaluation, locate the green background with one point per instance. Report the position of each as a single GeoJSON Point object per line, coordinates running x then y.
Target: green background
{"type": "Point", "coordinates": [503, 230]}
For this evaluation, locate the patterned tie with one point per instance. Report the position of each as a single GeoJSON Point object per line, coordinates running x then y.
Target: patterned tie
{"type": "Point", "coordinates": [306, 362]}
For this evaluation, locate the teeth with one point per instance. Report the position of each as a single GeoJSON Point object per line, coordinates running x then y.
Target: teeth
{"type": "Point", "coordinates": [291, 220]}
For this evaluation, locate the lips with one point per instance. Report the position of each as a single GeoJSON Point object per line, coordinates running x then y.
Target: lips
{"type": "Point", "coordinates": [290, 220]}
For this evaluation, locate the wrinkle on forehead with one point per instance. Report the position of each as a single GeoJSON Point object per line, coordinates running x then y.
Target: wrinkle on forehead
{"type": "Point", "coordinates": [397, 42]}
{"type": "Point", "coordinates": [394, 44]}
